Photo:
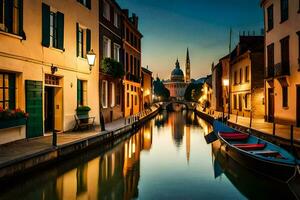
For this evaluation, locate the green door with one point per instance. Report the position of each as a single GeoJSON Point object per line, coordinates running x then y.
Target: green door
{"type": "Point", "coordinates": [34, 108]}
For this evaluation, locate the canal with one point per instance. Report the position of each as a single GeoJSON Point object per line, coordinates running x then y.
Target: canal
{"type": "Point", "coordinates": [168, 158]}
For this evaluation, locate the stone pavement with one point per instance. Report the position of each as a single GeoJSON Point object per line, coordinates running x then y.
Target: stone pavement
{"type": "Point", "coordinates": [282, 131]}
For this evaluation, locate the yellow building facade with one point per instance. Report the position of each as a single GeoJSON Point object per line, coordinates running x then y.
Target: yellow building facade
{"type": "Point", "coordinates": [282, 43]}
{"type": "Point", "coordinates": [47, 60]}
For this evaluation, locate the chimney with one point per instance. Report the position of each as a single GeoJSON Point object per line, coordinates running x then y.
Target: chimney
{"type": "Point", "coordinates": [135, 20]}
{"type": "Point", "coordinates": [126, 12]}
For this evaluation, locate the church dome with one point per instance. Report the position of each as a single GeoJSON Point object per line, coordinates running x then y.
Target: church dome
{"type": "Point", "coordinates": [177, 73]}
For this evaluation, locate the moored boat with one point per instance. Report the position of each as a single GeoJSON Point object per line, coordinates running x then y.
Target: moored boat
{"type": "Point", "coordinates": [257, 154]}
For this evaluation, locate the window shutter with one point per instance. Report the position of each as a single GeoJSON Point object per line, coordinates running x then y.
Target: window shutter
{"type": "Point", "coordinates": [77, 39]}
{"type": "Point", "coordinates": [21, 31]}
{"type": "Point", "coordinates": [79, 91]}
{"type": "Point", "coordinates": [12, 91]}
{"type": "Point", "coordinates": [9, 15]}
{"type": "Point", "coordinates": [45, 25]}
{"type": "Point", "coordinates": [88, 4]}
{"type": "Point", "coordinates": [60, 30]}
{"type": "Point", "coordinates": [88, 40]}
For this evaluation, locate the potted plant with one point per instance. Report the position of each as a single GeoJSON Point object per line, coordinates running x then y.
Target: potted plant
{"type": "Point", "coordinates": [112, 67]}
{"type": "Point", "coordinates": [11, 118]}
{"type": "Point", "coordinates": [83, 110]}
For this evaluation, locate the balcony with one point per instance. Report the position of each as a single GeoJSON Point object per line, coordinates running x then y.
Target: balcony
{"type": "Point", "coordinates": [282, 69]}
{"type": "Point", "coordinates": [269, 72]}
{"type": "Point", "coordinates": [133, 78]}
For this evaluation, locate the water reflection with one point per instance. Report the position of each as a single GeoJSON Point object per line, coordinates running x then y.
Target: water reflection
{"type": "Point", "coordinates": [167, 158]}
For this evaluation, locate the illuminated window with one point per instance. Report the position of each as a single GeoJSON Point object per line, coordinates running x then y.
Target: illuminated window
{"type": "Point", "coordinates": [106, 47]}
{"type": "Point", "coordinates": [113, 95]}
{"type": "Point", "coordinates": [117, 52]}
{"type": "Point", "coordinates": [104, 95]}
{"type": "Point", "coordinates": [106, 10]}
{"type": "Point", "coordinates": [7, 90]}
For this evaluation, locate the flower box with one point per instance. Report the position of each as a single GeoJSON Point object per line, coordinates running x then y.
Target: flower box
{"type": "Point", "coordinates": [8, 123]}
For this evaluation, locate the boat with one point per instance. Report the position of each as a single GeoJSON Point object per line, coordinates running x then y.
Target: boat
{"type": "Point", "coordinates": [257, 154]}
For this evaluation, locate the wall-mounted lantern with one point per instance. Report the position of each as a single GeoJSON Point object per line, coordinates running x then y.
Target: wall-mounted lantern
{"type": "Point", "coordinates": [91, 57]}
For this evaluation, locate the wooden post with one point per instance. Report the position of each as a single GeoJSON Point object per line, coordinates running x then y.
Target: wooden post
{"type": "Point", "coordinates": [54, 138]}
{"type": "Point", "coordinates": [250, 119]}
{"type": "Point", "coordinates": [292, 135]}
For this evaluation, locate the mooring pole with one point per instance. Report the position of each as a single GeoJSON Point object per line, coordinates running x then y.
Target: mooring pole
{"type": "Point", "coordinates": [292, 136]}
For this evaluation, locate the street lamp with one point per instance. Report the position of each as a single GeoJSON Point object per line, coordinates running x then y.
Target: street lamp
{"type": "Point", "coordinates": [91, 57]}
{"type": "Point", "coordinates": [226, 84]}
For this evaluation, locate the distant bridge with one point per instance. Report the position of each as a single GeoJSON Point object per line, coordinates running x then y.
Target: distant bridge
{"type": "Point", "coordinates": [188, 104]}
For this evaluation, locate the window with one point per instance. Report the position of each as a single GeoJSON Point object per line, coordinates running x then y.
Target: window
{"type": "Point", "coordinates": [241, 76]}
{"type": "Point", "coordinates": [247, 74]}
{"type": "Point", "coordinates": [80, 42]}
{"type": "Point", "coordinates": [104, 95]}
{"type": "Point", "coordinates": [7, 91]}
{"type": "Point", "coordinates": [127, 34]}
{"type": "Point", "coordinates": [270, 17]}
{"type": "Point", "coordinates": [106, 47]}
{"type": "Point", "coordinates": [86, 3]}
{"type": "Point", "coordinates": [83, 41]}
{"type": "Point", "coordinates": [11, 16]}
{"type": "Point", "coordinates": [135, 100]}
{"type": "Point", "coordinates": [131, 64]}
{"type": "Point", "coordinates": [116, 19]}
{"type": "Point", "coordinates": [284, 7]}
{"type": "Point", "coordinates": [113, 97]}
{"type": "Point", "coordinates": [127, 63]}
{"type": "Point", "coordinates": [270, 64]}
{"type": "Point", "coordinates": [284, 96]}
{"type": "Point", "coordinates": [117, 52]}
{"type": "Point", "coordinates": [285, 55]}
{"type": "Point", "coordinates": [81, 93]}
{"type": "Point", "coordinates": [52, 28]}
{"type": "Point", "coordinates": [235, 77]}
{"type": "Point", "coordinates": [247, 101]}
{"type": "Point", "coordinates": [127, 98]}
{"type": "Point", "coordinates": [51, 80]}
{"type": "Point", "coordinates": [106, 10]}
{"type": "Point", "coordinates": [234, 101]}
{"type": "Point", "coordinates": [118, 95]}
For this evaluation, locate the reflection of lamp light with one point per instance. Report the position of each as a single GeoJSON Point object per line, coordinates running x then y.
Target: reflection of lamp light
{"type": "Point", "coordinates": [225, 82]}
{"type": "Point", "coordinates": [91, 57]}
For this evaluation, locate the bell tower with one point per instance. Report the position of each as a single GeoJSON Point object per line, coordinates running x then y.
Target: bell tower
{"type": "Point", "coordinates": [187, 67]}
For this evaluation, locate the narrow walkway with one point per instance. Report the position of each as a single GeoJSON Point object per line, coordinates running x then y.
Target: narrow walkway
{"type": "Point", "coordinates": [14, 151]}
{"type": "Point", "coordinates": [282, 131]}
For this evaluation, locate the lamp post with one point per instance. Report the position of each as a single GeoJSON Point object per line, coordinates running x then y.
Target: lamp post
{"type": "Point", "coordinates": [226, 84]}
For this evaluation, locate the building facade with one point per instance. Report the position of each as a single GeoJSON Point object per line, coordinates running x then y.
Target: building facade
{"type": "Point", "coordinates": [282, 62]}
{"type": "Point", "coordinates": [247, 79]}
{"type": "Point", "coordinates": [147, 85]}
{"type": "Point", "coordinates": [132, 65]}
{"type": "Point", "coordinates": [110, 29]}
{"type": "Point", "coordinates": [43, 65]}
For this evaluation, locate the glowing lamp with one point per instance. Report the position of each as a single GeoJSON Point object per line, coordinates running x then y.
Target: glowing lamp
{"type": "Point", "coordinates": [91, 57]}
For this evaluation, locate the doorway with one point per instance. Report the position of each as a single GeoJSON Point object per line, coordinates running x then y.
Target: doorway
{"type": "Point", "coordinates": [298, 106]}
{"type": "Point", "coordinates": [49, 109]}
{"type": "Point", "coordinates": [271, 104]}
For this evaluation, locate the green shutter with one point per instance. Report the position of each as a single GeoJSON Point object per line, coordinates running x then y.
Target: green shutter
{"type": "Point", "coordinates": [79, 92]}
{"type": "Point", "coordinates": [21, 31]}
{"type": "Point", "coordinates": [12, 91]}
{"type": "Point", "coordinates": [88, 4]}
{"type": "Point", "coordinates": [9, 4]}
{"type": "Point", "coordinates": [77, 39]}
{"type": "Point", "coordinates": [60, 30]}
{"type": "Point", "coordinates": [88, 40]}
{"type": "Point", "coordinates": [34, 108]}
{"type": "Point", "coordinates": [45, 25]}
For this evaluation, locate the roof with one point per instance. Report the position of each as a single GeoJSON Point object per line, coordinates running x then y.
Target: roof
{"type": "Point", "coordinates": [146, 70]}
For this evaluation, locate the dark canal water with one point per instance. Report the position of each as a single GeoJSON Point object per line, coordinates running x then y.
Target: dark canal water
{"type": "Point", "coordinates": [168, 158]}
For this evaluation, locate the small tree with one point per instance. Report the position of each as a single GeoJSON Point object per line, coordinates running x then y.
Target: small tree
{"type": "Point", "coordinates": [112, 67]}
{"type": "Point", "coordinates": [193, 92]}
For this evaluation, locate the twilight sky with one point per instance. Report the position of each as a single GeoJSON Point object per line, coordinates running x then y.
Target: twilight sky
{"type": "Point", "coordinates": [170, 26]}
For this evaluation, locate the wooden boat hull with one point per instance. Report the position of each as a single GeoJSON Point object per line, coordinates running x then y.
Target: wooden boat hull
{"type": "Point", "coordinates": [281, 172]}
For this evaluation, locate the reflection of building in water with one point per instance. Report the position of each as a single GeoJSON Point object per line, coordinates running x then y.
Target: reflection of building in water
{"type": "Point", "coordinates": [176, 120]}
{"type": "Point", "coordinates": [114, 175]}
{"type": "Point", "coordinates": [188, 142]}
